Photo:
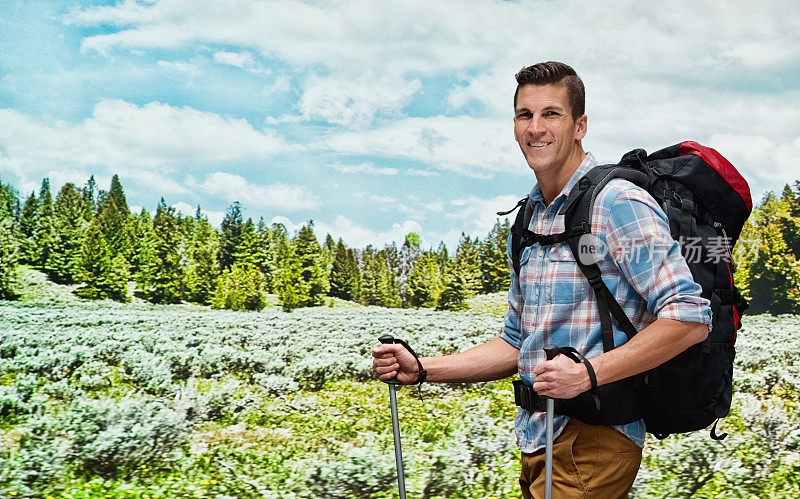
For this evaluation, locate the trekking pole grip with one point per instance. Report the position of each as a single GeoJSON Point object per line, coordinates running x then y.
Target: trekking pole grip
{"type": "Point", "coordinates": [388, 339]}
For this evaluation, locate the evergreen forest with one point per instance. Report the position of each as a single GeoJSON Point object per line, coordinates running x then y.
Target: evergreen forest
{"type": "Point", "coordinates": [89, 236]}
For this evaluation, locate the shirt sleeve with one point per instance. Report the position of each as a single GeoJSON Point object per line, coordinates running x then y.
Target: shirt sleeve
{"type": "Point", "coordinates": [638, 240]}
{"type": "Point", "coordinates": [511, 328]}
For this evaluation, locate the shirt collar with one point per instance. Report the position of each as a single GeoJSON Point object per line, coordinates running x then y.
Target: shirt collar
{"type": "Point", "coordinates": [587, 164]}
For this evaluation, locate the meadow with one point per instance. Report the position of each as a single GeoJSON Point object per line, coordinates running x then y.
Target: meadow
{"type": "Point", "coordinates": [101, 399]}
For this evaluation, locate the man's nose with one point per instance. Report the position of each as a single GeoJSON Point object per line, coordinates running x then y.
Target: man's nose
{"type": "Point", "coordinates": [535, 125]}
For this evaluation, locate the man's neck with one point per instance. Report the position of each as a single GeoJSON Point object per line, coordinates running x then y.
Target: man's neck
{"type": "Point", "coordinates": [552, 182]}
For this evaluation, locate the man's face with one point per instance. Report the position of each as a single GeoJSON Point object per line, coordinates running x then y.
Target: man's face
{"type": "Point", "coordinates": [544, 128]}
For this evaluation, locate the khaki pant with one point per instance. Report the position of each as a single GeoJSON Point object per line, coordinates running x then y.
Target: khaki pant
{"type": "Point", "coordinates": [588, 461]}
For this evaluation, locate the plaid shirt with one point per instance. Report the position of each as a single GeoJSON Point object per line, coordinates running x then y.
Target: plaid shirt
{"type": "Point", "coordinates": [552, 302]}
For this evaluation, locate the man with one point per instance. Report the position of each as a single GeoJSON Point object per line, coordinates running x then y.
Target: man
{"type": "Point", "coordinates": [551, 302]}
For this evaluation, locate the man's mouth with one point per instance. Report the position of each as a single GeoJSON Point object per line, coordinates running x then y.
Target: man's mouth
{"type": "Point", "coordinates": [537, 144]}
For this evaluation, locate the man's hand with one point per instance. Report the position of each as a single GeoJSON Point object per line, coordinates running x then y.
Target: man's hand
{"type": "Point", "coordinates": [561, 378]}
{"type": "Point", "coordinates": [392, 360]}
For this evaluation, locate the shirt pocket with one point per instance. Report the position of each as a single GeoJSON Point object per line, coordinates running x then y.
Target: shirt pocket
{"type": "Point", "coordinates": [566, 283]}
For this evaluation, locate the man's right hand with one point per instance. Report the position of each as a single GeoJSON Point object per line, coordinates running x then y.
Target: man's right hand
{"type": "Point", "coordinates": [392, 359]}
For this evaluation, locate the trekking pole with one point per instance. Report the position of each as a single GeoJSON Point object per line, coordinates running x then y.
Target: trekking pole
{"type": "Point", "coordinates": [551, 352]}
{"type": "Point", "coordinates": [398, 452]}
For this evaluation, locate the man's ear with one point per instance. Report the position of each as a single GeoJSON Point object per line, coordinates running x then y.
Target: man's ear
{"type": "Point", "coordinates": [580, 130]}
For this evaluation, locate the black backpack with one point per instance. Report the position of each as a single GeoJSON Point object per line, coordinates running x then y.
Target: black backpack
{"type": "Point", "coordinates": [705, 198]}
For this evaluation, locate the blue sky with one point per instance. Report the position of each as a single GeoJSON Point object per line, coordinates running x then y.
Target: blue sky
{"type": "Point", "coordinates": [375, 119]}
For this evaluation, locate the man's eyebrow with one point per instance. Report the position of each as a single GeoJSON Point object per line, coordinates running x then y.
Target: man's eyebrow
{"type": "Point", "coordinates": [554, 107]}
{"type": "Point", "coordinates": [550, 107]}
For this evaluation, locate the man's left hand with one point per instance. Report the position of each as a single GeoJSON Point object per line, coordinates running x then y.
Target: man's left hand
{"type": "Point", "coordinates": [561, 378]}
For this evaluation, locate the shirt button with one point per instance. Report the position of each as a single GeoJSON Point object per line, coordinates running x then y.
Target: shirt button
{"type": "Point", "coordinates": [541, 253]}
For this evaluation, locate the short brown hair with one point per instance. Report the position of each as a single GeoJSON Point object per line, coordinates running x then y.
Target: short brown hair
{"type": "Point", "coordinates": [554, 73]}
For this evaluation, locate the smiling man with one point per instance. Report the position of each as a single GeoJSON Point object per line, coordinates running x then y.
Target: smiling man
{"type": "Point", "coordinates": [551, 302]}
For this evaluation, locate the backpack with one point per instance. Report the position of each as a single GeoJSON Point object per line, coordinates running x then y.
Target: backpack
{"type": "Point", "coordinates": [706, 201]}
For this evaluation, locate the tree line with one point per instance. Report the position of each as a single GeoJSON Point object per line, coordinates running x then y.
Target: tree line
{"type": "Point", "coordinates": [89, 236]}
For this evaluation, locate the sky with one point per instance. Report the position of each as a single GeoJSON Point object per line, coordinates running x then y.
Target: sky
{"type": "Point", "coordinates": [376, 119]}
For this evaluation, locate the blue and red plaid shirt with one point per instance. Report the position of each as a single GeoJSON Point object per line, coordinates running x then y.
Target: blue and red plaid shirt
{"type": "Point", "coordinates": [551, 302]}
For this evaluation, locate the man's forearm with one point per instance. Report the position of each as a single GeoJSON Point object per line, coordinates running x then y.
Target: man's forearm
{"type": "Point", "coordinates": [495, 359]}
{"type": "Point", "coordinates": [651, 347]}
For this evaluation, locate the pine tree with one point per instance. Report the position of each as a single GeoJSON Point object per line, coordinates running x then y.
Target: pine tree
{"type": "Point", "coordinates": [467, 264]}
{"type": "Point", "coordinates": [28, 224]}
{"type": "Point", "coordinates": [390, 257]}
{"type": "Point", "coordinates": [9, 241]}
{"type": "Point", "coordinates": [354, 269]}
{"type": "Point", "coordinates": [371, 277]}
{"type": "Point", "coordinates": [443, 255]}
{"type": "Point", "coordinates": [454, 292]}
{"type": "Point", "coordinates": [143, 244]}
{"type": "Point", "coordinates": [118, 276]}
{"type": "Point", "coordinates": [248, 250]}
{"type": "Point", "coordinates": [89, 195]}
{"type": "Point", "coordinates": [263, 259]}
{"type": "Point", "coordinates": [425, 281]}
{"type": "Point", "coordinates": [44, 238]}
{"type": "Point", "coordinates": [163, 278]}
{"type": "Point", "coordinates": [288, 284]}
{"type": "Point", "coordinates": [312, 266]}
{"type": "Point", "coordinates": [344, 276]}
{"type": "Point", "coordinates": [63, 263]}
{"type": "Point", "coordinates": [494, 259]}
{"type": "Point", "coordinates": [240, 288]}
{"type": "Point", "coordinates": [115, 220]}
{"type": "Point", "coordinates": [203, 270]}
{"type": "Point", "coordinates": [9, 203]}
{"type": "Point", "coordinates": [95, 264]}
{"type": "Point", "coordinates": [231, 235]}
{"type": "Point", "coordinates": [379, 286]}
{"type": "Point", "coordinates": [774, 275]}
{"type": "Point", "coordinates": [790, 222]}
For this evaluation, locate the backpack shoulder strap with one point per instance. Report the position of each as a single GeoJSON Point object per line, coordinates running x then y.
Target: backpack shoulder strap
{"type": "Point", "coordinates": [577, 212]}
{"type": "Point", "coordinates": [518, 230]}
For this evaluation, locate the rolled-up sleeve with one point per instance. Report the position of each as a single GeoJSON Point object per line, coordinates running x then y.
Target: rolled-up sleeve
{"type": "Point", "coordinates": [511, 331]}
{"type": "Point", "coordinates": [639, 241]}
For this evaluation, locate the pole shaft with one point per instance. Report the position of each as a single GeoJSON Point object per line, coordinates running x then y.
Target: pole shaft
{"type": "Point", "coordinates": [398, 452]}
{"type": "Point", "coordinates": [548, 459]}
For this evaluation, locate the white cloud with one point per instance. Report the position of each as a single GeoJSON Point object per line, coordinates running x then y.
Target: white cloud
{"type": "Point", "coordinates": [473, 146]}
{"type": "Point", "coordinates": [760, 158]}
{"type": "Point", "coordinates": [381, 199]}
{"type": "Point", "coordinates": [477, 216]}
{"type": "Point", "coordinates": [214, 217]}
{"type": "Point", "coordinates": [237, 59]}
{"type": "Point", "coordinates": [353, 234]}
{"type": "Point", "coordinates": [371, 55]}
{"type": "Point", "coordinates": [348, 99]}
{"type": "Point", "coordinates": [421, 173]}
{"type": "Point", "coordinates": [425, 36]}
{"type": "Point", "coordinates": [185, 209]}
{"type": "Point", "coordinates": [143, 143]}
{"type": "Point", "coordinates": [291, 227]}
{"type": "Point", "coordinates": [368, 168]}
{"type": "Point", "coordinates": [358, 236]}
{"type": "Point", "coordinates": [236, 188]}
{"type": "Point", "coordinates": [182, 67]}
